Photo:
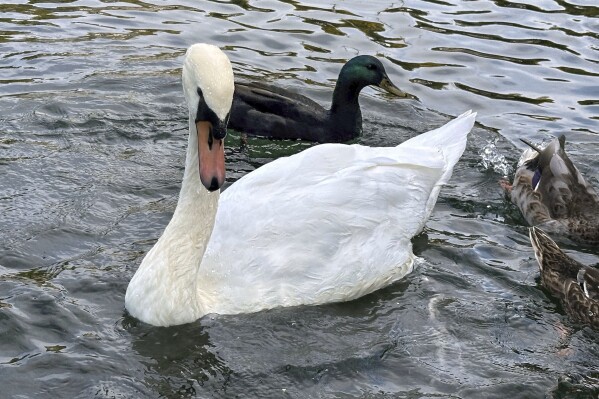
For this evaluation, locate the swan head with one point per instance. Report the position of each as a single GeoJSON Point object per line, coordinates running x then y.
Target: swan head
{"type": "Point", "coordinates": [208, 86]}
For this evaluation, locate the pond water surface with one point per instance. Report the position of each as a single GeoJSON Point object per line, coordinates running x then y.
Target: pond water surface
{"type": "Point", "coordinates": [92, 142]}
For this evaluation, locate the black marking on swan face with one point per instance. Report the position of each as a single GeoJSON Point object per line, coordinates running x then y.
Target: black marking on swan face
{"type": "Point", "coordinates": [218, 128]}
{"type": "Point", "coordinates": [214, 185]}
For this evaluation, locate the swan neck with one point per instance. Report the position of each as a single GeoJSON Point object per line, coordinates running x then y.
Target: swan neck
{"type": "Point", "coordinates": [196, 208]}
{"type": "Point", "coordinates": [165, 289]}
{"type": "Point", "coordinates": [194, 216]}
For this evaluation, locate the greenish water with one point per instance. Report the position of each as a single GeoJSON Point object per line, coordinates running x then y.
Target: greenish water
{"type": "Point", "coordinates": [92, 139]}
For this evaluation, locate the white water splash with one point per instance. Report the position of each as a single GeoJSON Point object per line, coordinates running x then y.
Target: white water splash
{"type": "Point", "coordinates": [492, 159]}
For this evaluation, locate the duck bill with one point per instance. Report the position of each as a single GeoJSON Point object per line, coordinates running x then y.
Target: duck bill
{"type": "Point", "coordinates": [388, 86]}
{"type": "Point", "coordinates": [211, 154]}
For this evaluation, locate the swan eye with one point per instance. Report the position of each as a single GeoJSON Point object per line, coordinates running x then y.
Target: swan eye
{"type": "Point", "coordinates": [204, 112]}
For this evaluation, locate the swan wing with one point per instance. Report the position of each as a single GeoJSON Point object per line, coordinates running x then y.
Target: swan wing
{"type": "Point", "coordinates": [329, 224]}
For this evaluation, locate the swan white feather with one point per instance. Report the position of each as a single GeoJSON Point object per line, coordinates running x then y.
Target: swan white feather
{"type": "Point", "coordinates": [329, 224]}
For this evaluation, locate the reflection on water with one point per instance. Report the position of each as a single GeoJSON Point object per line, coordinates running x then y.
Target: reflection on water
{"type": "Point", "coordinates": [92, 142]}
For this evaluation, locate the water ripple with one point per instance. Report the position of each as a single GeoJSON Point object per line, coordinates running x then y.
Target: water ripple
{"type": "Point", "coordinates": [92, 140]}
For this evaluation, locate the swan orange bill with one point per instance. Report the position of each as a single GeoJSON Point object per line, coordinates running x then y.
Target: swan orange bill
{"type": "Point", "coordinates": [211, 153]}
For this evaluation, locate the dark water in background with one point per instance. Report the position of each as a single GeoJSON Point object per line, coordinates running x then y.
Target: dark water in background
{"type": "Point", "coordinates": [92, 140]}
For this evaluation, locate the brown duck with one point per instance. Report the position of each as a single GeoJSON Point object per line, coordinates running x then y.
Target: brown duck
{"type": "Point", "coordinates": [575, 284]}
{"type": "Point", "coordinates": [553, 195]}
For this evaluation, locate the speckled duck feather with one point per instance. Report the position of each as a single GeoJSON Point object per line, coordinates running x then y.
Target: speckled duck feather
{"type": "Point", "coordinates": [575, 284]}
{"type": "Point", "coordinates": [553, 195]}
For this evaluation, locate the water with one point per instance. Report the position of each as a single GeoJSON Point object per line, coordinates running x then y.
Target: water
{"type": "Point", "coordinates": [92, 140]}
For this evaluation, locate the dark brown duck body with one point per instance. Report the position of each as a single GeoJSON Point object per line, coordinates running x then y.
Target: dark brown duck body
{"type": "Point", "coordinates": [576, 285]}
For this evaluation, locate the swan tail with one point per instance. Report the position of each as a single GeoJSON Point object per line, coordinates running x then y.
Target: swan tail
{"type": "Point", "coordinates": [450, 138]}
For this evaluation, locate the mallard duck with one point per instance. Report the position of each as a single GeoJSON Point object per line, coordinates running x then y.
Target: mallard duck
{"type": "Point", "coordinates": [329, 224]}
{"type": "Point", "coordinates": [575, 284]}
{"type": "Point", "coordinates": [268, 111]}
{"type": "Point", "coordinates": [553, 195]}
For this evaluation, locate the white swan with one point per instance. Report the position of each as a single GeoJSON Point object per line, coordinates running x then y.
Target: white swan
{"type": "Point", "coordinates": [329, 224]}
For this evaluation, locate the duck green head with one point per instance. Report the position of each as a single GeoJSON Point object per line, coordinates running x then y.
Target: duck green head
{"type": "Point", "coordinates": [366, 70]}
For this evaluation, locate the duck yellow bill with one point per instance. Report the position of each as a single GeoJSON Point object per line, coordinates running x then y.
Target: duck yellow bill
{"type": "Point", "coordinates": [211, 154]}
